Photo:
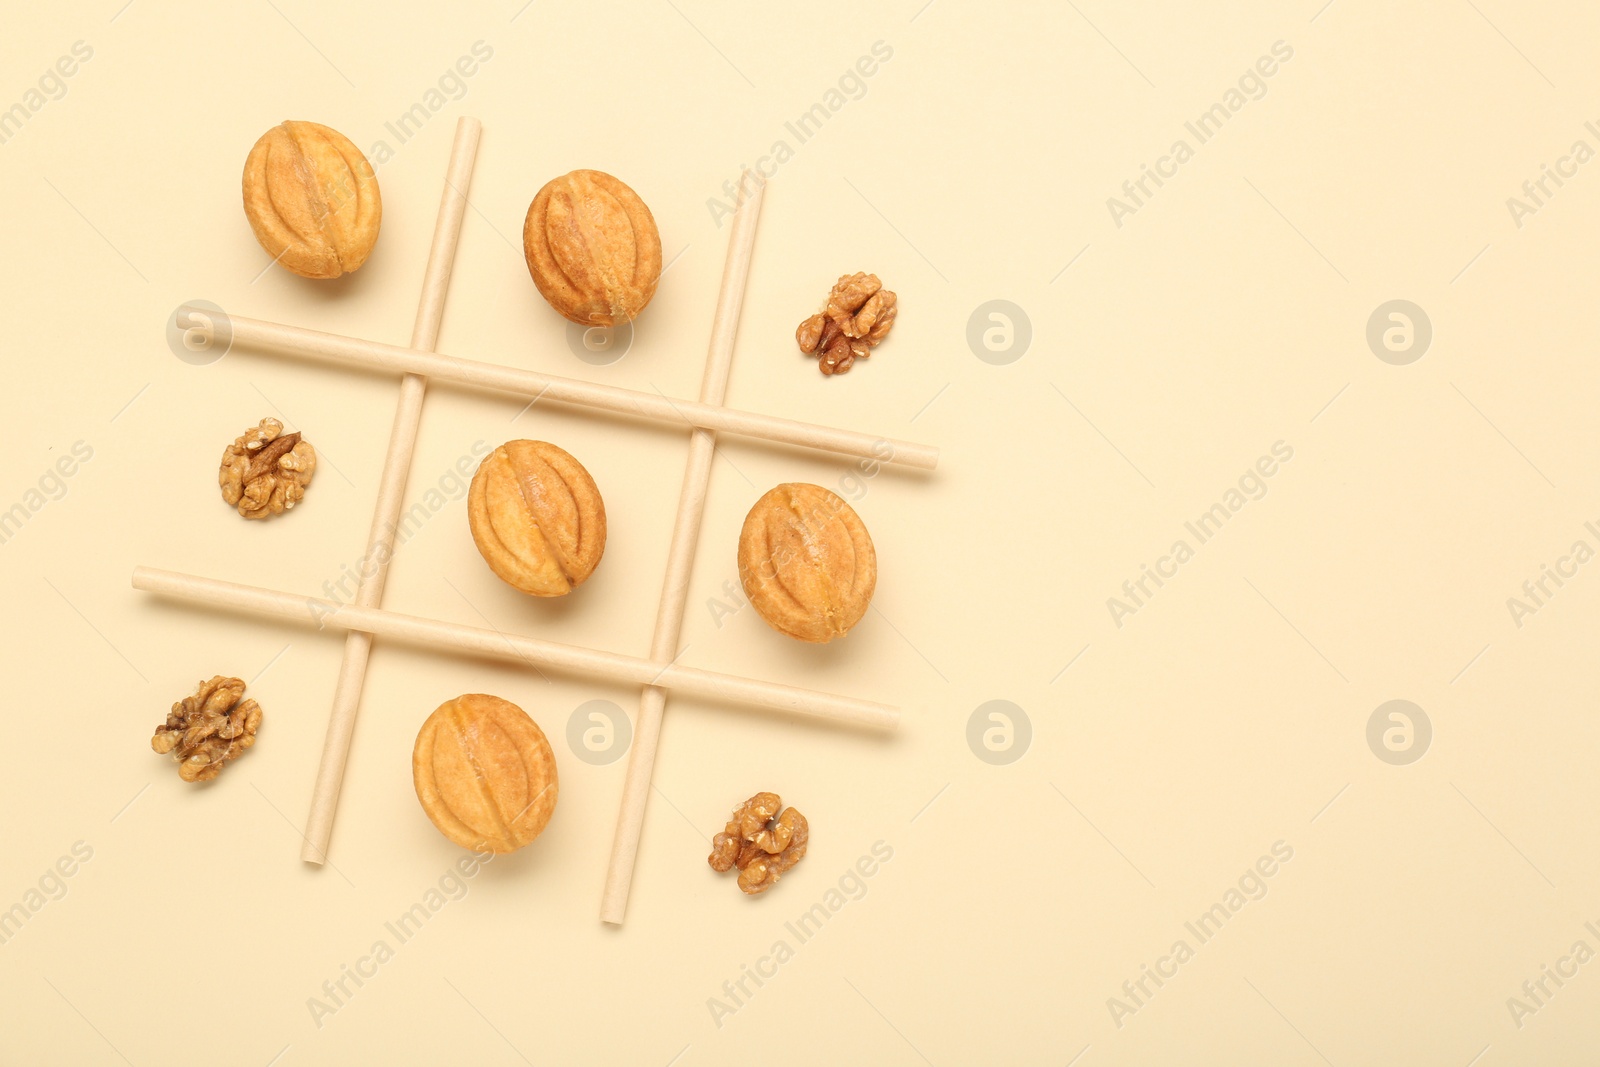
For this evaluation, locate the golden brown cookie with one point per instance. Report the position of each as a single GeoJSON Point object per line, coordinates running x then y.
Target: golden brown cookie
{"type": "Point", "coordinates": [485, 773]}
{"type": "Point", "coordinates": [592, 248]}
{"type": "Point", "coordinates": [537, 517]}
{"type": "Point", "coordinates": [807, 562]}
{"type": "Point", "coordinates": [312, 199]}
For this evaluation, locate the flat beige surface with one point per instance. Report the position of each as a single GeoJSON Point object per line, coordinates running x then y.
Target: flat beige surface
{"type": "Point", "coordinates": [1227, 714]}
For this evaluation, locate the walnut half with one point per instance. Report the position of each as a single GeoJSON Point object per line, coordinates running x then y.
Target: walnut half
{"type": "Point", "coordinates": [763, 839]}
{"type": "Point", "coordinates": [857, 316]}
{"type": "Point", "coordinates": [265, 471]}
{"type": "Point", "coordinates": [206, 730]}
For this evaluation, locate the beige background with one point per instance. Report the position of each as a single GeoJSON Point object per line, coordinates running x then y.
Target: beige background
{"type": "Point", "coordinates": [1167, 355]}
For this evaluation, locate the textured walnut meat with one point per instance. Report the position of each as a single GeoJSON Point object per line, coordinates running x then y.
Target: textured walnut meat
{"type": "Point", "coordinates": [874, 319]}
{"type": "Point", "coordinates": [206, 730]}
{"type": "Point", "coordinates": [856, 317]}
{"type": "Point", "coordinates": [265, 471]}
{"type": "Point", "coordinates": [809, 333]}
{"type": "Point", "coordinates": [849, 294]}
{"type": "Point", "coordinates": [763, 839]}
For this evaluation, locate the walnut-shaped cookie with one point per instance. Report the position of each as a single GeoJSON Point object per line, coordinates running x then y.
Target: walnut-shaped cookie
{"type": "Point", "coordinates": [484, 773]}
{"type": "Point", "coordinates": [312, 199]}
{"type": "Point", "coordinates": [807, 562]}
{"type": "Point", "coordinates": [592, 248]}
{"type": "Point", "coordinates": [537, 517]}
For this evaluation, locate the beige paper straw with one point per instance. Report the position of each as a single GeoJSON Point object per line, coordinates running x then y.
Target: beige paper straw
{"type": "Point", "coordinates": [272, 336]}
{"type": "Point", "coordinates": [391, 492]}
{"type": "Point", "coordinates": [680, 561]}
{"type": "Point", "coordinates": [514, 648]}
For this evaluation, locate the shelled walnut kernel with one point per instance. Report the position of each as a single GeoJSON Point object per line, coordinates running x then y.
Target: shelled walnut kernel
{"type": "Point", "coordinates": [763, 839]}
{"type": "Point", "coordinates": [857, 316]}
{"type": "Point", "coordinates": [265, 471]}
{"type": "Point", "coordinates": [206, 730]}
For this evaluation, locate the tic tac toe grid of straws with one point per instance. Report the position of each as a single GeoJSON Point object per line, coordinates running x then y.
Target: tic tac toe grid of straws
{"type": "Point", "coordinates": [365, 617]}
